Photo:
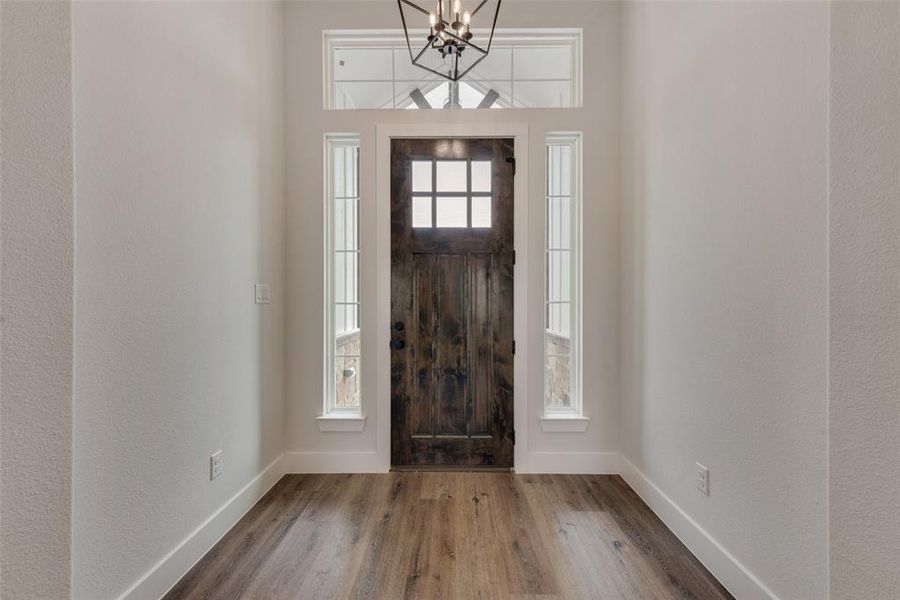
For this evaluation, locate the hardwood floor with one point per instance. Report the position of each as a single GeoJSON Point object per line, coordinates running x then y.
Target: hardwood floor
{"type": "Point", "coordinates": [449, 535]}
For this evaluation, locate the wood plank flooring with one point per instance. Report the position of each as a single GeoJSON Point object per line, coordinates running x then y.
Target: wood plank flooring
{"type": "Point", "coordinates": [449, 535]}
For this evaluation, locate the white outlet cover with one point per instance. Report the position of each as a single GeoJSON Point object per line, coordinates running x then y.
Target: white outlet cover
{"type": "Point", "coordinates": [703, 479]}
{"type": "Point", "coordinates": [263, 293]}
{"type": "Point", "coordinates": [216, 465]}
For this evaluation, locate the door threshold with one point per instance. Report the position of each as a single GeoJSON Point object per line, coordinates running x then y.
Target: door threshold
{"type": "Point", "coordinates": [448, 469]}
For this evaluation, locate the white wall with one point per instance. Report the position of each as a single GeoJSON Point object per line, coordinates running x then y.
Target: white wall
{"type": "Point", "coordinates": [864, 414]}
{"type": "Point", "coordinates": [307, 122]}
{"type": "Point", "coordinates": [178, 111]}
{"type": "Point", "coordinates": [36, 246]}
{"type": "Point", "coordinates": [724, 150]}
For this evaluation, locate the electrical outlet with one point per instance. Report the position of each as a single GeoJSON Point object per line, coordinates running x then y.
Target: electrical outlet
{"type": "Point", "coordinates": [263, 293]}
{"type": "Point", "coordinates": [216, 466]}
{"type": "Point", "coordinates": [703, 479]}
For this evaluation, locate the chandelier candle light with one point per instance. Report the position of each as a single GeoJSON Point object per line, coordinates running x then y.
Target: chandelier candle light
{"type": "Point", "coordinates": [448, 49]}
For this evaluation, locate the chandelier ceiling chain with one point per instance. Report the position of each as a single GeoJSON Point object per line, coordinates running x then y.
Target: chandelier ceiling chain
{"type": "Point", "coordinates": [449, 49]}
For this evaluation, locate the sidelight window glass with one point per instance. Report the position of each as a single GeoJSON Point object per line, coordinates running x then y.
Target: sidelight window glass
{"type": "Point", "coordinates": [342, 301]}
{"type": "Point", "coordinates": [562, 274]}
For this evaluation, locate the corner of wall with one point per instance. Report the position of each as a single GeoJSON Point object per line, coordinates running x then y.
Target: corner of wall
{"type": "Point", "coordinates": [864, 313]}
{"type": "Point", "coordinates": [36, 275]}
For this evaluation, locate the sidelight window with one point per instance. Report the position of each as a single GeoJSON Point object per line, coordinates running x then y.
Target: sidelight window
{"type": "Point", "coordinates": [342, 302]}
{"type": "Point", "coordinates": [562, 271]}
{"type": "Point", "coordinates": [451, 194]}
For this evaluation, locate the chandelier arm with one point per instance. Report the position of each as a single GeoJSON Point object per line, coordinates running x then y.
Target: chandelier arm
{"type": "Point", "coordinates": [430, 70]}
{"type": "Point", "coordinates": [494, 26]}
{"type": "Point", "coordinates": [472, 66]}
{"type": "Point", "coordinates": [477, 8]}
{"type": "Point", "coordinates": [421, 52]}
{"type": "Point", "coordinates": [415, 6]}
{"type": "Point", "coordinates": [405, 29]}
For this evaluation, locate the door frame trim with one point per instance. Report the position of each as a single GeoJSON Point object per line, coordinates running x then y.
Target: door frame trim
{"type": "Point", "coordinates": [384, 133]}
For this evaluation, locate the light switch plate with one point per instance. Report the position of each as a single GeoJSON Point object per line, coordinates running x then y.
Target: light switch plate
{"type": "Point", "coordinates": [263, 293]}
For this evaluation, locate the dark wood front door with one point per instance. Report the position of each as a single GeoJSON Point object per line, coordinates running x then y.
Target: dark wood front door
{"type": "Point", "coordinates": [452, 302]}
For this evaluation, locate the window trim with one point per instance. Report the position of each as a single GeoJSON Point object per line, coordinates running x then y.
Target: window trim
{"type": "Point", "coordinates": [527, 37]}
{"type": "Point", "coordinates": [341, 422]}
{"type": "Point", "coordinates": [555, 419]}
{"type": "Point", "coordinates": [336, 418]}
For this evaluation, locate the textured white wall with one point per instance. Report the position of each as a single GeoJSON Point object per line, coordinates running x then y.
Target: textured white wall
{"type": "Point", "coordinates": [306, 124]}
{"type": "Point", "coordinates": [36, 245]}
{"type": "Point", "coordinates": [179, 180]}
{"type": "Point", "coordinates": [864, 409]}
{"type": "Point", "coordinates": [725, 274]}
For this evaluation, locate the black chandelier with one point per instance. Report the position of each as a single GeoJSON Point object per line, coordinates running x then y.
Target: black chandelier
{"type": "Point", "coordinates": [449, 49]}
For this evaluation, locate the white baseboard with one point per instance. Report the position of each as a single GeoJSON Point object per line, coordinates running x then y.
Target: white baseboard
{"type": "Point", "coordinates": [571, 463]}
{"type": "Point", "coordinates": [167, 572]}
{"type": "Point", "coordinates": [333, 462]}
{"type": "Point", "coordinates": [725, 567]}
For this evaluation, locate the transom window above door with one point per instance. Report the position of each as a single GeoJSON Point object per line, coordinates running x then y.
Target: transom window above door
{"type": "Point", "coordinates": [451, 194]}
{"type": "Point", "coordinates": [526, 68]}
